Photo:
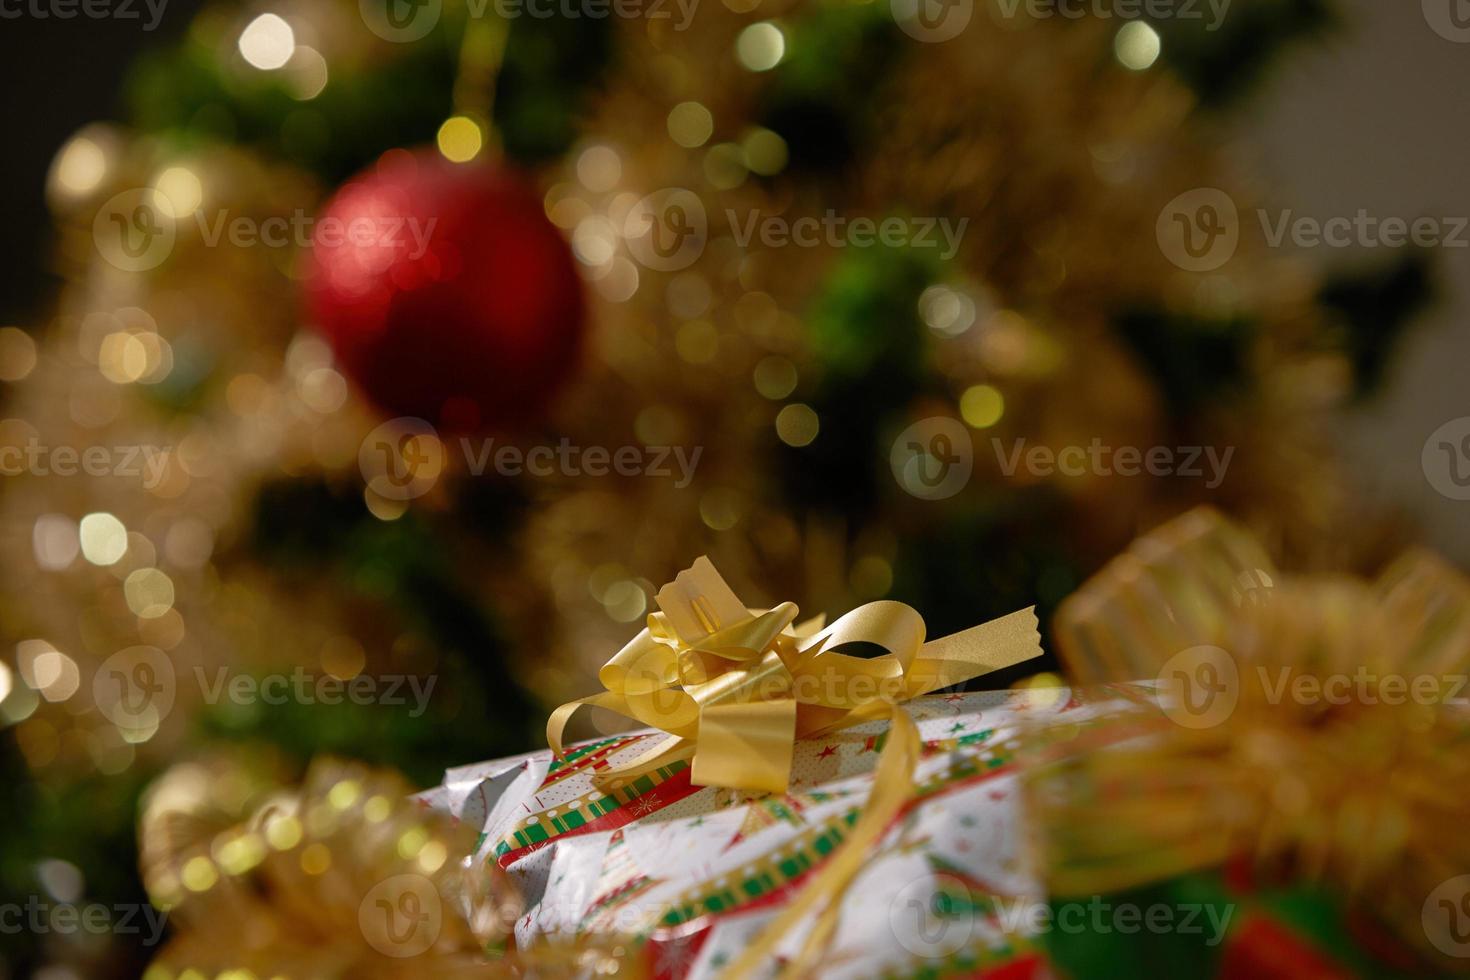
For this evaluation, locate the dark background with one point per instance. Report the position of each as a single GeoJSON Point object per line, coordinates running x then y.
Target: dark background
{"type": "Point", "coordinates": [56, 75]}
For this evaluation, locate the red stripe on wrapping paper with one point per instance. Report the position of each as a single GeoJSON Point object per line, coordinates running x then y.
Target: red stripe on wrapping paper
{"type": "Point", "coordinates": [595, 760]}
{"type": "Point", "coordinates": [666, 793]}
{"type": "Point", "coordinates": [1028, 966]}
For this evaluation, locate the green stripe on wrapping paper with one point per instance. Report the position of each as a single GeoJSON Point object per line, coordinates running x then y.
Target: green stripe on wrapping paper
{"type": "Point", "coordinates": [760, 884]}
{"type": "Point", "coordinates": [546, 827]}
{"type": "Point", "coordinates": [968, 962]}
{"type": "Point", "coordinates": [570, 820]}
{"type": "Point", "coordinates": [769, 876]}
{"type": "Point", "coordinates": [572, 755]}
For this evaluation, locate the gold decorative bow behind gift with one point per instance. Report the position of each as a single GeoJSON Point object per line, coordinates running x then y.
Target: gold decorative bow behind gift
{"type": "Point", "coordinates": [739, 686]}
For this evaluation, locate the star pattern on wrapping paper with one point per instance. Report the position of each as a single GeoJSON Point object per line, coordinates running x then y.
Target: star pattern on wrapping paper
{"type": "Point", "coordinates": [958, 726]}
{"type": "Point", "coordinates": [952, 698]}
{"type": "Point", "coordinates": [827, 750]}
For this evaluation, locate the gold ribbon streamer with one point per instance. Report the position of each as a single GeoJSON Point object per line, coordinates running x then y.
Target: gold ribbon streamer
{"type": "Point", "coordinates": [737, 687]}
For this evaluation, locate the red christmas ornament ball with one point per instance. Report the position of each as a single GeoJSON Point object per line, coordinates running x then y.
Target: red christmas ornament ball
{"type": "Point", "coordinates": [445, 292]}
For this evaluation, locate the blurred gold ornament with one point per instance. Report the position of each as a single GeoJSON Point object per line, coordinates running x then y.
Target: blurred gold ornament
{"type": "Point", "coordinates": [1312, 727]}
{"type": "Point", "coordinates": [345, 877]}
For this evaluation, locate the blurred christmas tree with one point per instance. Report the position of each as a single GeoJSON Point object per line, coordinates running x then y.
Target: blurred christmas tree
{"type": "Point", "coordinates": [812, 392]}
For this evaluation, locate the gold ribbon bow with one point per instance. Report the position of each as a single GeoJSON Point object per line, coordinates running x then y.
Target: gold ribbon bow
{"type": "Point", "coordinates": [738, 687]}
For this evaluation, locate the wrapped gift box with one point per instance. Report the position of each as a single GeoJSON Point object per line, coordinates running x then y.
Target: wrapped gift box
{"type": "Point", "coordinates": [691, 873]}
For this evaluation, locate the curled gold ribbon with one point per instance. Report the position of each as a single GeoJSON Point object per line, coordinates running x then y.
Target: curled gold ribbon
{"type": "Point", "coordinates": [737, 687]}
